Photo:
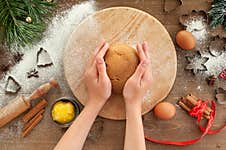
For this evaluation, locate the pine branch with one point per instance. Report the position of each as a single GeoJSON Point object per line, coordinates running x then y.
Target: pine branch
{"type": "Point", "coordinates": [13, 16]}
{"type": "Point", "coordinates": [218, 13]}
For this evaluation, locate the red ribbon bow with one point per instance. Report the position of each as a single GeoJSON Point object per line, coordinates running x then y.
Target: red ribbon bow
{"type": "Point", "coordinates": [197, 112]}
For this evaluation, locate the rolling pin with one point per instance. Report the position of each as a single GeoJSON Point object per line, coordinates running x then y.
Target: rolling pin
{"type": "Point", "coordinates": [20, 104]}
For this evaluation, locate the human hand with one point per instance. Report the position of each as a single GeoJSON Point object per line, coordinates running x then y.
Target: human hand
{"type": "Point", "coordinates": [138, 84]}
{"type": "Point", "coordinates": [96, 79]}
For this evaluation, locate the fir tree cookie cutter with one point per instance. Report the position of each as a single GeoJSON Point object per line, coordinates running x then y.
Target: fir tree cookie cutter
{"type": "Point", "coordinates": [12, 85]}
{"type": "Point", "coordinates": [196, 63]}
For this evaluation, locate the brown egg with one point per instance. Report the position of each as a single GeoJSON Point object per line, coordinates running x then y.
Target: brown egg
{"type": "Point", "coordinates": [185, 40]}
{"type": "Point", "coordinates": [165, 110]}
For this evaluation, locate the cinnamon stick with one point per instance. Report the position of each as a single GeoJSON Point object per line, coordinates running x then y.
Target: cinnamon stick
{"type": "Point", "coordinates": [193, 99]}
{"type": "Point", "coordinates": [33, 119]}
{"type": "Point", "coordinates": [185, 107]}
{"type": "Point", "coordinates": [34, 123]}
{"type": "Point", "coordinates": [187, 102]}
{"type": "Point", "coordinates": [207, 108]}
{"type": "Point", "coordinates": [34, 110]}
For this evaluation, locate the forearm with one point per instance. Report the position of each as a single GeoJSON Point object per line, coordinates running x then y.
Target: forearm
{"type": "Point", "coordinates": [75, 136]}
{"type": "Point", "coordinates": [134, 138]}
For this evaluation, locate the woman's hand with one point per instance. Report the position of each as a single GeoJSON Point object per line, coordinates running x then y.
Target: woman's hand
{"type": "Point", "coordinates": [138, 84]}
{"type": "Point", "coordinates": [133, 92]}
{"type": "Point", "coordinates": [99, 90]}
{"type": "Point", "coordinates": [97, 81]}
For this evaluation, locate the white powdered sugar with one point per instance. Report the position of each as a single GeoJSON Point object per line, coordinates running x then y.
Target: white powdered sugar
{"type": "Point", "coordinates": [13, 131]}
{"type": "Point", "coordinates": [198, 28]}
{"type": "Point", "coordinates": [196, 24]}
{"type": "Point", "coordinates": [215, 64]}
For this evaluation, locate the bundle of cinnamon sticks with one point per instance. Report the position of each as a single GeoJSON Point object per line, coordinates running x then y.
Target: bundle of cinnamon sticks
{"type": "Point", "coordinates": [33, 117]}
{"type": "Point", "coordinates": [189, 101]}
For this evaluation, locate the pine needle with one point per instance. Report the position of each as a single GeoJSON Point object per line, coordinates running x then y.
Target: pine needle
{"type": "Point", "coordinates": [218, 13]}
{"type": "Point", "coordinates": [13, 16]}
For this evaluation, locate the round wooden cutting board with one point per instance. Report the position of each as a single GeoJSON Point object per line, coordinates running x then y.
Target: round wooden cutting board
{"type": "Point", "coordinates": [121, 25]}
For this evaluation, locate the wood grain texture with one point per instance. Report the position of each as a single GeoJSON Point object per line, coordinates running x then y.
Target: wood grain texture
{"type": "Point", "coordinates": [181, 127]}
{"type": "Point", "coordinates": [121, 25]}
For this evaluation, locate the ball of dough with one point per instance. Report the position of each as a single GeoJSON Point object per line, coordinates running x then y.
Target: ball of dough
{"type": "Point", "coordinates": [121, 61]}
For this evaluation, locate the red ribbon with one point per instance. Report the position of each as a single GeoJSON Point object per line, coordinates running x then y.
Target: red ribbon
{"type": "Point", "coordinates": [197, 112]}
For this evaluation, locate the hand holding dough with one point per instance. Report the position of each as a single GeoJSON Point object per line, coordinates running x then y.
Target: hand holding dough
{"type": "Point", "coordinates": [97, 82]}
{"type": "Point", "coordinates": [138, 84]}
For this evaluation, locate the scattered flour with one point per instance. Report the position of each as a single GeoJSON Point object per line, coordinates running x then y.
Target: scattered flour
{"type": "Point", "coordinates": [199, 88]}
{"type": "Point", "coordinates": [215, 64]}
{"type": "Point", "coordinates": [196, 24]}
{"type": "Point", "coordinates": [13, 131]}
{"type": "Point", "coordinates": [54, 41]}
{"type": "Point", "coordinates": [199, 28]}
{"type": "Point", "coordinates": [147, 96]}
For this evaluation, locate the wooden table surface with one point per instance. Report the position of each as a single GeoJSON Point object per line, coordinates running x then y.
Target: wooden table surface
{"type": "Point", "coordinates": [108, 134]}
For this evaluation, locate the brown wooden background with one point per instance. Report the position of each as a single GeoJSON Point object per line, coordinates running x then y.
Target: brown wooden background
{"type": "Point", "coordinates": [108, 134]}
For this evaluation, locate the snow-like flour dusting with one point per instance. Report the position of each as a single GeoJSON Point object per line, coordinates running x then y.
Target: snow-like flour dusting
{"type": "Point", "coordinates": [199, 28]}
{"type": "Point", "coordinates": [54, 41]}
{"type": "Point", "coordinates": [215, 64]}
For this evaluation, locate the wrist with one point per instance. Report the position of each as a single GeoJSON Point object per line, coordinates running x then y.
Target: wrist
{"type": "Point", "coordinates": [133, 102]}
{"type": "Point", "coordinates": [133, 112]}
{"type": "Point", "coordinates": [96, 104]}
{"type": "Point", "coordinates": [133, 106]}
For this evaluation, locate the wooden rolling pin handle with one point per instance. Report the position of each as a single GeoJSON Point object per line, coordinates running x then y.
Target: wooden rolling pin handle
{"type": "Point", "coordinates": [12, 110]}
{"type": "Point", "coordinates": [54, 83]}
{"type": "Point", "coordinates": [42, 90]}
